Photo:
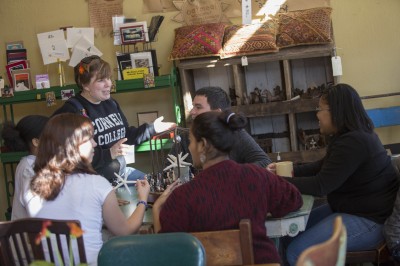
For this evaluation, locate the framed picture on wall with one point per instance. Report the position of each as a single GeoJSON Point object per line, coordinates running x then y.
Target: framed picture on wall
{"type": "Point", "coordinates": [147, 117]}
{"type": "Point", "coordinates": [134, 32]}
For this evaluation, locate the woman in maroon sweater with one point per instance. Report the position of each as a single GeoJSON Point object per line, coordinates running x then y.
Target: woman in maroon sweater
{"type": "Point", "coordinates": [225, 192]}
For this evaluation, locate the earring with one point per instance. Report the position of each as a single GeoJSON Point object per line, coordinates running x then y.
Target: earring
{"type": "Point", "coordinates": [202, 158]}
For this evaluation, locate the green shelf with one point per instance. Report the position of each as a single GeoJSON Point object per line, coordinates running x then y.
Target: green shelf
{"type": "Point", "coordinates": [12, 157]}
{"type": "Point", "coordinates": [15, 157]}
{"type": "Point", "coordinates": [133, 85]}
{"type": "Point", "coordinates": [145, 146]}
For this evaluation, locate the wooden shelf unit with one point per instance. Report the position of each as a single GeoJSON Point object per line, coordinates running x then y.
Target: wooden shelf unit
{"type": "Point", "coordinates": [290, 68]}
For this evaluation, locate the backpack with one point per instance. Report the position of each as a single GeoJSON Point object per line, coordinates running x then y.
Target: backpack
{"type": "Point", "coordinates": [77, 104]}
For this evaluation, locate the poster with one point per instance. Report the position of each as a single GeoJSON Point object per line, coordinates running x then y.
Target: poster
{"type": "Point", "coordinates": [53, 46]}
{"type": "Point", "coordinates": [101, 13]}
{"type": "Point", "coordinates": [158, 6]}
{"type": "Point", "coordinates": [200, 12]}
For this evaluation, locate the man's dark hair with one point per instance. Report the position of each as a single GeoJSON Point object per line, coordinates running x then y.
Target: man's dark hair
{"type": "Point", "coordinates": [217, 98]}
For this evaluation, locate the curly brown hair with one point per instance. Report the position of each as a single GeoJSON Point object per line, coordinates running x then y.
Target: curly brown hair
{"type": "Point", "coordinates": [58, 153]}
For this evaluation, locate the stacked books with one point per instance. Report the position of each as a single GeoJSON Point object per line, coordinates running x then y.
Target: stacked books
{"type": "Point", "coordinates": [17, 67]}
{"type": "Point", "coordinates": [16, 55]}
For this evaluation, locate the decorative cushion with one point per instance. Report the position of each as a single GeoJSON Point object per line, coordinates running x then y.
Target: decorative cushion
{"type": "Point", "coordinates": [198, 41]}
{"type": "Point", "coordinates": [311, 26]}
{"type": "Point", "coordinates": [250, 39]}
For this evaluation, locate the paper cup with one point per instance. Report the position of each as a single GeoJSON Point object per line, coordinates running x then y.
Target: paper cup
{"type": "Point", "coordinates": [284, 168]}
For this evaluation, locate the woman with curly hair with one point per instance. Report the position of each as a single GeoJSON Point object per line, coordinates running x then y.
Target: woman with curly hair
{"type": "Point", "coordinates": [66, 186]}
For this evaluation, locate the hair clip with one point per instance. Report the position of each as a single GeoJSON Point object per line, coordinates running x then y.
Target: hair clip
{"type": "Point", "coordinates": [81, 69]}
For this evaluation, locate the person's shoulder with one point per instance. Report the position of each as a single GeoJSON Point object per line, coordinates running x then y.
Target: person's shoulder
{"type": "Point", "coordinates": [254, 167]}
{"type": "Point", "coordinates": [243, 138]}
{"type": "Point", "coordinates": [242, 132]}
{"type": "Point", "coordinates": [252, 172]}
{"type": "Point", "coordinates": [72, 105]}
{"type": "Point", "coordinates": [112, 102]}
{"type": "Point", "coordinates": [357, 136]}
{"type": "Point", "coordinates": [89, 182]}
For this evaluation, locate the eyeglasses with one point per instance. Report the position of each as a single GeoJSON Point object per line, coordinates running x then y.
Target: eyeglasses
{"type": "Point", "coordinates": [89, 59]}
{"type": "Point", "coordinates": [318, 109]}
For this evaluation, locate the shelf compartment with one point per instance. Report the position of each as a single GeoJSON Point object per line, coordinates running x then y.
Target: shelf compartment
{"type": "Point", "coordinates": [277, 108]}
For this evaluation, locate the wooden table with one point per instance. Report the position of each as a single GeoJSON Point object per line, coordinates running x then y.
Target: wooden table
{"type": "Point", "coordinates": [291, 224]}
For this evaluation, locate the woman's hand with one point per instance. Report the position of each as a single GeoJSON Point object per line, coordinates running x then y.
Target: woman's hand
{"type": "Point", "coordinates": [167, 192]}
{"type": "Point", "coordinates": [160, 202]}
{"type": "Point", "coordinates": [271, 167]}
{"type": "Point", "coordinates": [160, 126]}
{"type": "Point", "coordinates": [143, 189]}
{"type": "Point", "coordinates": [119, 148]}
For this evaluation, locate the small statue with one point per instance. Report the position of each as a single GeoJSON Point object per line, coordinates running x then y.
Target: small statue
{"type": "Point", "coordinates": [233, 96]}
{"type": "Point", "coordinates": [246, 99]}
{"type": "Point", "coordinates": [297, 92]}
{"type": "Point", "coordinates": [256, 95]}
{"type": "Point", "coordinates": [312, 144]}
{"type": "Point", "coordinates": [279, 93]}
{"type": "Point", "coordinates": [264, 96]}
{"type": "Point", "coordinates": [7, 91]}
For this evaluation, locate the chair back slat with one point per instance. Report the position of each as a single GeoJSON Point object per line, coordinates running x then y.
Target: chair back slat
{"type": "Point", "coordinates": [18, 245]}
{"type": "Point", "coordinates": [246, 239]}
{"type": "Point", "coordinates": [37, 250]}
{"type": "Point", "coordinates": [228, 247]}
{"type": "Point", "coordinates": [331, 252]}
{"type": "Point", "coordinates": [24, 240]}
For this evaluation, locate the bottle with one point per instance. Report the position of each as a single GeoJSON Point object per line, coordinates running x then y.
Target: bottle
{"type": "Point", "coordinates": [278, 157]}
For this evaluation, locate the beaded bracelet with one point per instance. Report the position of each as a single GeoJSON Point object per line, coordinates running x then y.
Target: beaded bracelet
{"type": "Point", "coordinates": [142, 202]}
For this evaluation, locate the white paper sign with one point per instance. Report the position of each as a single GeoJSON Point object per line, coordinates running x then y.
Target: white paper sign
{"type": "Point", "coordinates": [337, 66]}
{"type": "Point", "coordinates": [117, 21]}
{"type": "Point", "coordinates": [82, 49]}
{"type": "Point", "coordinates": [74, 34]}
{"type": "Point", "coordinates": [246, 12]}
{"type": "Point", "coordinates": [53, 46]}
{"type": "Point", "coordinates": [244, 61]}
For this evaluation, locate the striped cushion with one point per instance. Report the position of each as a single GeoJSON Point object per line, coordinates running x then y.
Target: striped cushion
{"type": "Point", "coordinates": [310, 26]}
{"type": "Point", "coordinates": [198, 41]}
{"type": "Point", "coordinates": [251, 39]}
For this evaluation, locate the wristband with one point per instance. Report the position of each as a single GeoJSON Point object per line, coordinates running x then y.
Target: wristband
{"type": "Point", "coordinates": [142, 202]}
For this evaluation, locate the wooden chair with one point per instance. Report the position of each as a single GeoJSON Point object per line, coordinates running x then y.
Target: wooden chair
{"type": "Point", "coordinates": [18, 247]}
{"type": "Point", "coordinates": [329, 253]}
{"type": "Point", "coordinates": [377, 256]}
{"type": "Point", "coordinates": [178, 249]}
{"type": "Point", "coordinates": [228, 247]}
{"type": "Point", "coordinates": [381, 253]}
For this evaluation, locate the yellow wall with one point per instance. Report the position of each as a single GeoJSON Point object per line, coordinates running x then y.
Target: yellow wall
{"type": "Point", "coordinates": [366, 33]}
